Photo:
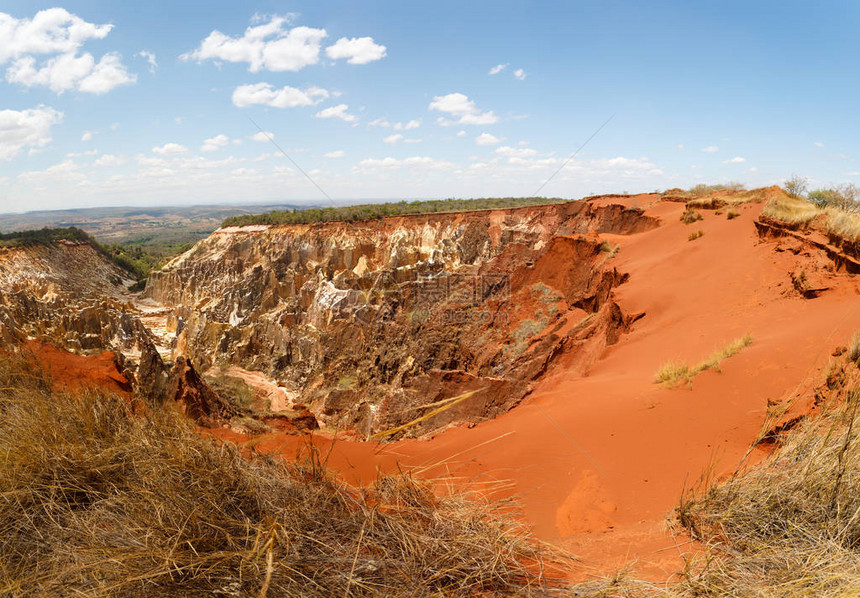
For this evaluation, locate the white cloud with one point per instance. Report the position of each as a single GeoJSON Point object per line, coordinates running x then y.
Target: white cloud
{"type": "Point", "coordinates": [110, 160]}
{"type": "Point", "coordinates": [379, 122]}
{"type": "Point", "coordinates": [418, 162]}
{"type": "Point", "coordinates": [710, 149]}
{"type": "Point", "coordinates": [680, 146]}
{"type": "Point", "coordinates": [286, 97]}
{"type": "Point", "coordinates": [114, 126]}
{"type": "Point", "coordinates": [753, 169]}
{"type": "Point", "coordinates": [512, 152]}
{"type": "Point", "coordinates": [461, 107]}
{"type": "Point", "coordinates": [818, 144]}
{"type": "Point", "coordinates": [412, 124]}
{"type": "Point", "coordinates": [487, 139]}
{"type": "Point", "coordinates": [52, 31]}
{"type": "Point", "coordinates": [170, 149]}
{"type": "Point", "coordinates": [150, 58]}
{"type": "Point", "coordinates": [392, 139]}
{"type": "Point", "coordinates": [498, 68]}
{"type": "Point", "coordinates": [357, 50]}
{"type": "Point", "coordinates": [87, 136]}
{"type": "Point", "coordinates": [735, 160]}
{"type": "Point", "coordinates": [30, 128]}
{"type": "Point", "coordinates": [59, 34]}
{"type": "Point", "coordinates": [520, 74]}
{"type": "Point", "coordinates": [213, 144]}
{"type": "Point", "coordinates": [339, 111]}
{"type": "Point", "coordinates": [68, 72]}
{"type": "Point", "coordinates": [270, 46]}
{"type": "Point", "coordinates": [335, 154]}
{"type": "Point", "coordinates": [262, 136]}
{"type": "Point", "coordinates": [461, 133]}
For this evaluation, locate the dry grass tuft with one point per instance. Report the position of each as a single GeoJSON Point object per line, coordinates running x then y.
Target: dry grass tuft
{"type": "Point", "coordinates": [96, 501]}
{"type": "Point", "coordinates": [790, 527]}
{"type": "Point", "coordinates": [793, 211]}
{"type": "Point", "coordinates": [674, 373]}
{"type": "Point", "coordinates": [695, 235]}
{"type": "Point", "coordinates": [690, 216]}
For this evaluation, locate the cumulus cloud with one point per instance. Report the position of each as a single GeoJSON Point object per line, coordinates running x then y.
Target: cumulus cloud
{"type": "Point", "coordinates": [30, 128]}
{"type": "Point", "coordinates": [150, 58]}
{"type": "Point", "coordinates": [520, 74]}
{"type": "Point", "coordinates": [335, 154]}
{"type": "Point", "coordinates": [710, 149]}
{"type": "Point", "coordinates": [357, 50]}
{"type": "Point", "coordinates": [213, 144]}
{"type": "Point", "coordinates": [498, 68]}
{"type": "Point", "coordinates": [370, 165]}
{"type": "Point", "coordinates": [271, 46]}
{"type": "Point", "coordinates": [487, 139]}
{"type": "Point", "coordinates": [379, 122]}
{"type": "Point", "coordinates": [818, 144]}
{"type": "Point", "coordinates": [110, 160]}
{"type": "Point", "coordinates": [57, 36]}
{"type": "Point", "coordinates": [87, 136]}
{"type": "Point", "coordinates": [339, 111]}
{"type": "Point", "coordinates": [262, 136]}
{"type": "Point", "coordinates": [412, 124]}
{"type": "Point", "coordinates": [735, 160]}
{"type": "Point", "coordinates": [513, 152]}
{"type": "Point", "coordinates": [285, 97]}
{"type": "Point", "coordinates": [170, 149]}
{"type": "Point", "coordinates": [392, 139]}
{"type": "Point", "coordinates": [460, 107]}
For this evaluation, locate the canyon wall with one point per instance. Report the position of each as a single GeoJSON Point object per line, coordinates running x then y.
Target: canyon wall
{"type": "Point", "coordinates": [373, 324]}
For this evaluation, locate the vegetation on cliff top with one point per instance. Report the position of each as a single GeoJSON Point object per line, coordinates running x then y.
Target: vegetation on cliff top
{"type": "Point", "coordinates": [381, 210]}
{"type": "Point", "coordinates": [100, 496]}
{"type": "Point", "coordinates": [135, 260]}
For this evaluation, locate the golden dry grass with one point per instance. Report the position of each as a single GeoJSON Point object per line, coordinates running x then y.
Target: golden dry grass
{"type": "Point", "coordinates": [790, 527]}
{"type": "Point", "coordinates": [97, 501]}
{"type": "Point", "coordinates": [673, 373]}
{"type": "Point", "coordinates": [793, 211]}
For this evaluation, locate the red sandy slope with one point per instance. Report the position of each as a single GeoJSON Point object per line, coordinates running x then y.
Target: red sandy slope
{"type": "Point", "coordinates": [70, 372]}
{"type": "Point", "coordinates": [598, 461]}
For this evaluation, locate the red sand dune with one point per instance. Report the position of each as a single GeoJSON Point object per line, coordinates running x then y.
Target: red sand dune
{"type": "Point", "coordinates": [599, 461]}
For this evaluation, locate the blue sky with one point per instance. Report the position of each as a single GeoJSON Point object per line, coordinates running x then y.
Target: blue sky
{"type": "Point", "coordinates": [149, 103]}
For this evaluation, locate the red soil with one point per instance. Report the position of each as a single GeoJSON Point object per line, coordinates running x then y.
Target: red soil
{"type": "Point", "coordinates": [599, 461]}
{"type": "Point", "coordinates": [70, 372]}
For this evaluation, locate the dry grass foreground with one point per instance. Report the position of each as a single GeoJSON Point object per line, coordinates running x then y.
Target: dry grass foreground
{"type": "Point", "coordinates": [98, 501]}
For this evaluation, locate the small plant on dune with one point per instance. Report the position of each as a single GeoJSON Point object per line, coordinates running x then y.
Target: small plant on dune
{"type": "Point", "coordinates": [695, 235]}
{"type": "Point", "coordinates": [690, 216]}
{"type": "Point", "coordinates": [732, 214]}
{"type": "Point", "coordinates": [854, 349]}
{"type": "Point", "coordinates": [674, 373]}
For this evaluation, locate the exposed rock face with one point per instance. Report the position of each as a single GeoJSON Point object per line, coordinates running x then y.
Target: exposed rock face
{"type": "Point", "coordinates": [375, 322]}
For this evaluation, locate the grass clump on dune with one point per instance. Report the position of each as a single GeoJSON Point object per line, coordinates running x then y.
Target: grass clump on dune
{"type": "Point", "coordinates": [789, 527]}
{"type": "Point", "coordinates": [791, 210]}
{"type": "Point", "coordinates": [674, 373]}
{"type": "Point", "coordinates": [97, 501]}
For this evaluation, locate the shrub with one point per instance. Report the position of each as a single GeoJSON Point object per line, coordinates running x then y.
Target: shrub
{"type": "Point", "coordinates": [690, 216]}
{"type": "Point", "coordinates": [695, 235]}
{"type": "Point", "coordinates": [796, 186]}
{"type": "Point", "coordinates": [732, 214]}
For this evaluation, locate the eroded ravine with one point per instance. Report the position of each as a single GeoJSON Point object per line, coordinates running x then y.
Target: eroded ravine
{"type": "Point", "coordinates": [377, 322]}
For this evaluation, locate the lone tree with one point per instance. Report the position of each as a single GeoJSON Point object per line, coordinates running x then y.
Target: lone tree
{"type": "Point", "coordinates": [796, 185]}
